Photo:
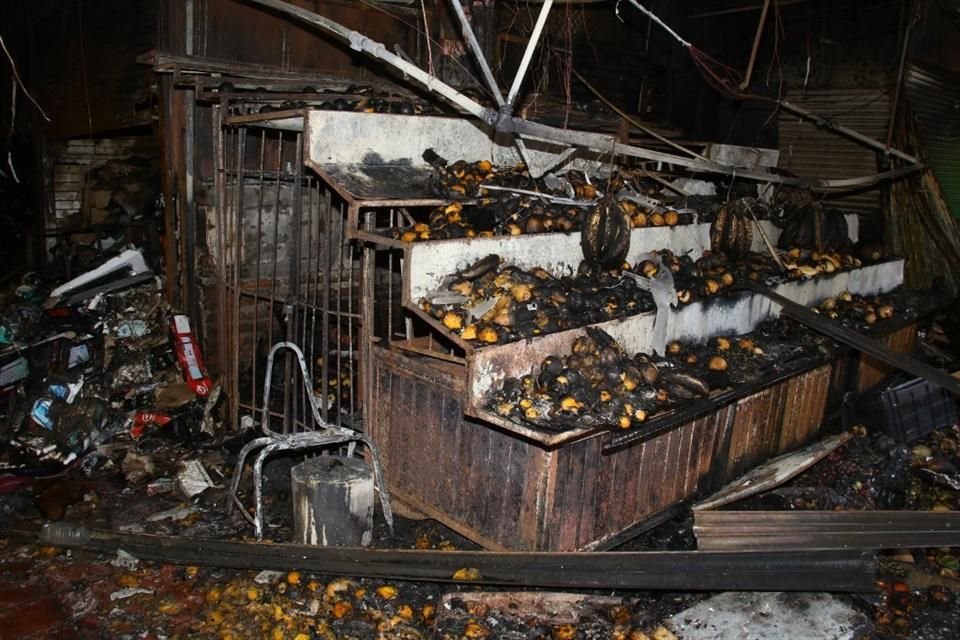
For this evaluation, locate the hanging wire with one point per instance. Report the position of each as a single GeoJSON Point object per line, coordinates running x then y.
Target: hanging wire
{"type": "Point", "coordinates": [16, 75]}
{"type": "Point", "coordinates": [423, 30]}
{"type": "Point", "coordinates": [83, 70]}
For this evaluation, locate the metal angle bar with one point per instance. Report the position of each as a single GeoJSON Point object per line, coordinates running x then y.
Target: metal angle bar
{"type": "Point", "coordinates": [782, 530]}
{"type": "Point", "coordinates": [827, 540]}
{"type": "Point", "coordinates": [867, 345]}
{"type": "Point", "coordinates": [851, 571]}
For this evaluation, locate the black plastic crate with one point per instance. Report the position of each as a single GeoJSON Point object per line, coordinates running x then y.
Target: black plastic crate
{"type": "Point", "coordinates": [903, 407]}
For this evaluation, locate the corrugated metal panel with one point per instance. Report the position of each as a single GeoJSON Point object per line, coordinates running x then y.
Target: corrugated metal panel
{"type": "Point", "coordinates": [812, 152]}
{"type": "Point", "coordinates": [935, 105]}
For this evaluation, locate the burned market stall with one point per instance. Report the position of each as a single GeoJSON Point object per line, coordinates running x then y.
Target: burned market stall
{"type": "Point", "coordinates": [564, 404]}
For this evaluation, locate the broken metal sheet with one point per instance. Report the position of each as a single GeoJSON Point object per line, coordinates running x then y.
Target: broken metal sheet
{"type": "Point", "coordinates": [129, 592]}
{"type": "Point", "coordinates": [738, 615]}
{"type": "Point", "coordinates": [177, 513]}
{"type": "Point", "coordinates": [773, 473]}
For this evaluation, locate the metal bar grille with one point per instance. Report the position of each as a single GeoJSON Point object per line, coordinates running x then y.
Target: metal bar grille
{"type": "Point", "coordinates": [286, 272]}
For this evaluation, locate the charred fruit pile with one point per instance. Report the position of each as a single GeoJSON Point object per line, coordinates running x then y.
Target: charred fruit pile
{"type": "Point", "coordinates": [553, 617]}
{"type": "Point", "coordinates": [859, 312]}
{"type": "Point", "coordinates": [510, 202]}
{"type": "Point", "coordinates": [508, 303]}
{"type": "Point", "coordinates": [490, 303]}
{"type": "Point", "coordinates": [599, 385]}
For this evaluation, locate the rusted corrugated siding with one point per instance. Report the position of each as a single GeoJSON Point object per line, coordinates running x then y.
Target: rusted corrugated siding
{"type": "Point", "coordinates": [812, 152]}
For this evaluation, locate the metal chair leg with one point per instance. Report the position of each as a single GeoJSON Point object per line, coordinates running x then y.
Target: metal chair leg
{"type": "Point", "coordinates": [233, 499]}
{"type": "Point", "coordinates": [379, 483]}
{"type": "Point", "coordinates": [258, 484]}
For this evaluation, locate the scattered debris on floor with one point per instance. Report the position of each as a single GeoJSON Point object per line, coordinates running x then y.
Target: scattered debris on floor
{"type": "Point", "coordinates": [733, 615]}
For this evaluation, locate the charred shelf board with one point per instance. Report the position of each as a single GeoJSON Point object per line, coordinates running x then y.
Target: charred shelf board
{"type": "Point", "coordinates": [291, 120]}
{"type": "Point", "coordinates": [822, 530]}
{"type": "Point", "coordinates": [373, 184]}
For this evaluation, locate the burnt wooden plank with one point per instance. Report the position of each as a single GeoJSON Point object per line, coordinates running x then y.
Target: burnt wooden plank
{"type": "Point", "coordinates": [606, 503]}
{"type": "Point", "coordinates": [626, 484]}
{"type": "Point", "coordinates": [532, 465]}
{"type": "Point", "coordinates": [655, 474]}
{"type": "Point", "coordinates": [791, 416]}
{"type": "Point", "coordinates": [673, 473]}
{"type": "Point", "coordinates": [719, 463]}
{"type": "Point", "coordinates": [688, 484]}
{"type": "Point", "coordinates": [563, 496]}
{"type": "Point", "coordinates": [698, 433]}
{"type": "Point", "coordinates": [588, 490]}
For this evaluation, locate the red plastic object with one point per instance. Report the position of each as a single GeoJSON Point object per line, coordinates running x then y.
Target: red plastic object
{"type": "Point", "coordinates": [143, 419]}
{"type": "Point", "coordinates": [188, 355]}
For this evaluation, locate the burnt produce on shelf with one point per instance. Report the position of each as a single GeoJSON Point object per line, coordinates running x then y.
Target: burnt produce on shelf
{"type": "Point", "coordinates": [489, 200]}
{"type": "Point", "coordinates": [509, 303]}
{"type": "Point", "coordinates": [491, 305]}
{"type": "Point", "coordinates": [599, 385]}
{"type": "Point", "coordinates": [605, 237]}
{"type": "Point", "coordinates": [859, 312]}
{"type": "Point", "coordinates": [731, 232]}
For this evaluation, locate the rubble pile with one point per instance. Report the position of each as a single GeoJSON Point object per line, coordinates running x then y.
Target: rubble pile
{"type": "Point", "coordinates": [103, 357]}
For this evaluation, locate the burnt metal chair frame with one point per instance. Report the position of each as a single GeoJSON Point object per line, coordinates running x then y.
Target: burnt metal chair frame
{"type": "Point", "coordinates": [325, 435]}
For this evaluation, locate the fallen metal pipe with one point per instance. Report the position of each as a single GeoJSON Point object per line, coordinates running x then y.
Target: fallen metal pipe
{"type": "Point", "coordinates": [668, 570]}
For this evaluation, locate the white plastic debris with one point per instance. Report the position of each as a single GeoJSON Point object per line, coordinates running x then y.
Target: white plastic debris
{"type": "Point", "coordinates": [124, 560]}
{"type": "Point", "coordinates": [268, 577]}
{"type": "Point", "coordinates": [129, 592]}
{"type": "Point", "coordinates": [177, 513]}
{"type": "Point", "coordinates": [737, 615]}
{"type": "Point", "coordinates": [193, 478]}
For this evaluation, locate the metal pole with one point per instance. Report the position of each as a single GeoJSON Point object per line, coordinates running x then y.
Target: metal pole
{"type": "Point", "coordinates": [528, 53]}
{"type": "Point", "coordinates": [471, 39]}
{"type": "Point", "coordinates": [756, 45]}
